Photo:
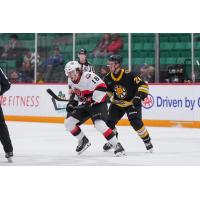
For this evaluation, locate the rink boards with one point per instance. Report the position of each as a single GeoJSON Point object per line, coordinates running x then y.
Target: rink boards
{"type": "Point", "coordinates": [167, 105]}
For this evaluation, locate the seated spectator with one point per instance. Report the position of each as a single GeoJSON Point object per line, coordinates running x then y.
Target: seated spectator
{"type": "Point", "coordinates": [54, 60]}
{"type": "Point", "coordinates": [49, 65]}
{"type": "Point", "coordinates": [30, 57]}
{"type": "Point", "coordinates": [40, 77]}
{"type": "Point", "coordinates": [101, 49]}
{"type": "Point", "coordinates": [115, 45]}
{"type": "Point", "coordinates": [27, 72]}
{"type": "Point", "coordinates": [147, 73]}
{"type": "Point", "coordinates": [151, 74]}
{"type": "Point", "coordinates": [26, 69]}
{"type": "Point", "coordinates": [12, 49]}
{"type": "Point", "coordinates": [14, 77]}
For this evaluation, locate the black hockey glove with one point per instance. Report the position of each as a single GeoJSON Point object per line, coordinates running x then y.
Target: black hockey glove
{"type": "Point", "coordinates": [71, 106]}
{"type": "Point", "coordinates": [140, 96]}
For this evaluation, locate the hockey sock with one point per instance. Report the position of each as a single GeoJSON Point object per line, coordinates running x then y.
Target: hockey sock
{"type": "Point", "coordinates": [111, 137]}
{"type": "Point", "coordinates": [76, 132]}
{"type": "Point", "coordinates": [144, 135]}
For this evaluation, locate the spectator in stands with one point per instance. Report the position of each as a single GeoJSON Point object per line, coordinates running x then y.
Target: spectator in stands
{"type": "Point", "coordinates": [54, 60]}
{"type": "Point", "coordinates": [101, 48]}
{"type": "Point", "coordinates": [14, 77]}
{"type": "Point", "coordinates": [147, 73]}
{"type": "Point", "coordinates": [30, 57]}
{"type": "Point", "coordinates": [51, 63]}
{"type": "Point", "coordinates": [40, 77]}
{"type": "Point", "coordinates": [151, 74]}
{"type": "Point", "coordinates": [12, 49]}
{"type": "Point", "coordinates": [115, 45]}
{"type": "Point", "coordinates": [26, 70]}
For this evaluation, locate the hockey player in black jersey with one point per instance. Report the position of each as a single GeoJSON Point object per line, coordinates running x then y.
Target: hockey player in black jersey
{"type": "Point", "coordinates": [126, 91]}
{"type": "Point", "coordinates": [4, 134]}
{"type": "Point", "coordinates": [85, 65]}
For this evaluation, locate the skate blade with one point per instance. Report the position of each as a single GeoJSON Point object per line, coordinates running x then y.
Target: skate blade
{"type": "Point", "coordinates": [10, 160]}
{"type": "Point", "coordinates": [86, 146]}
{"type": "Point", "coordinates": [120, 154]}
{"type": "Point", "coordinates": [108, 149]}
{"type": "Point", "coordinates": [150, 150]}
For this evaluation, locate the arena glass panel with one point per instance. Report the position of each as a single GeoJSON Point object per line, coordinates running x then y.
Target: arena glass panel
{"type": "Point", "coordinates": [100, 46]}
{"type": "Point", "coordinates": [197, 57]}
{"type": "Point", "coordinates": [175, 57]}
{"type": "Point", "coordinates": [17, 58]}
{"type": "Point", "coordinates": [143, 55]}
{"type": "Point", "coordinates": [55, 50]}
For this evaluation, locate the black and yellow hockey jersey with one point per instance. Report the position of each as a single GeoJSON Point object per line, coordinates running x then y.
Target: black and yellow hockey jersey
{"type": "Point", "coordinates": [123, 87]}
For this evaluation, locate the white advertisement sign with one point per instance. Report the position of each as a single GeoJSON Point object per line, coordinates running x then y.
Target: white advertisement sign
{"type": "Point", "coordinates": [173, 102]}
{"type": "Point", "coordinates": [165, 102]}
{"type": "Point", "coordinates": [33, 100]}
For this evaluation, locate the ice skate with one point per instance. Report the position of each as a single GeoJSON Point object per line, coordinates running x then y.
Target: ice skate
{"type": "Point", "coordinates": [9, 156]}
{"type": "Point", "coordinates": [107, 146]}
{"type": "Point", "coordinates": [149, 147]}
{"type": "Point", "coordinates": [83, 144]}
{"type": "Point", "coordinates": [119, 150]}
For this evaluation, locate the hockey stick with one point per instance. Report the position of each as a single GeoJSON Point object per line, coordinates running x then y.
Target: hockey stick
{"type": "Point", "coordinates": [50, 92]}
{"type": "Point", "coordinates": [55, 105]}
{"type": "Point", "coordinates": [55, 97]}
{"type": "Point", "coordinates": [57, 108]}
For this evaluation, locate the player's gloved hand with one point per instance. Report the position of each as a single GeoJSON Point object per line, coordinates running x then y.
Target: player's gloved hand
{"type": "Point", "coordinates": [71, 106]}
{"type": "Point", "coordinates": [88, 103]}
{"type": "Point", "coordinates": [140, 96]}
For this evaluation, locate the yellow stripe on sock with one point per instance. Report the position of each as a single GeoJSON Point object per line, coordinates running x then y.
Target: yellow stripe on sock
{"type": "Point", "coordinates": [144, 135]}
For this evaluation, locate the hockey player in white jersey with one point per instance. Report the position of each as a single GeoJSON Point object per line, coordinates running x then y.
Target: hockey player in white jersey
{"type": "Point", "coordinates": [85, 66]}
{"type": "Point", "coordinates": [91, 92]}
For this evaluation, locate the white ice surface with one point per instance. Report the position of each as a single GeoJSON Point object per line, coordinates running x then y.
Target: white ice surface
{"type": "Point", "coordinates": [49, 144]}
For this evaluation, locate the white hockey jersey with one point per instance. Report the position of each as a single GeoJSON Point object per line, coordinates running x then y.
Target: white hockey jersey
{"type": "Point", "coordinates": [90, 88]}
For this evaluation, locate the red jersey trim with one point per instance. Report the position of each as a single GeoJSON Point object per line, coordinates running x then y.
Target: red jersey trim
{"type": "Point", "coordinates": [101, 85]}
{"type": "Point", "coordinates": [107, 133]}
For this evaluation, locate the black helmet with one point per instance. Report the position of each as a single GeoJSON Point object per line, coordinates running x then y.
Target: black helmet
{"type": "Point", "coordinates": [115, 58]}
{"type": "Point", "coordinates": [82, 51]}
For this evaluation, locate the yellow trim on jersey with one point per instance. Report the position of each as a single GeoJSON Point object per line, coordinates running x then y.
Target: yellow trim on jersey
{"type": "Point", "coordinates": [144, 86]}
{"type": "Point", "coordinates": [122, 103]}
{"type": "Point", "coordinates": [142, 90]}
{"type": "Point", "coordinates": [119, 77]}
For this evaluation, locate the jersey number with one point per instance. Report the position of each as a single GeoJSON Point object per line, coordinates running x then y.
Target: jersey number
{"type": "Point", "coordinates": [96, 79]}
{"type": "Point", "coordinates": [137, 79]}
